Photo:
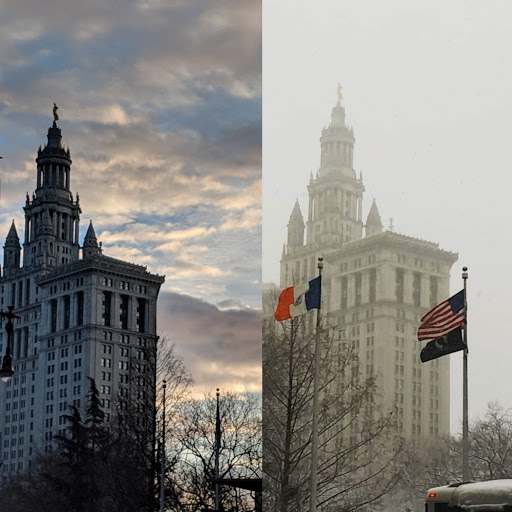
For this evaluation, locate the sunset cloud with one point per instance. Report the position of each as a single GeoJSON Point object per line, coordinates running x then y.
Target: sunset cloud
{"type": "Point", "coordinates": [160, 104]}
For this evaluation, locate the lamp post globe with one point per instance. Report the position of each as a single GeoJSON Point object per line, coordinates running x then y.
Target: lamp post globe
{"type": "Point", "coordinates": [6, 372]}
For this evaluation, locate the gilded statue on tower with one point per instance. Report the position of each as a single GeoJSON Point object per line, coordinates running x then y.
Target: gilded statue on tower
{"type": "Point", "coordinates": [55, 115]}
{"type": "Point", "coordinates": [338, 90]}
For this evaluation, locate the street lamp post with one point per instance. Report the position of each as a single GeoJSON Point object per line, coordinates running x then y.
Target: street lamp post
{"type": "Point", "coordinates": [162, 469]}
{"type": "Point", "coordinates": [6, 371]}
{"type": "Point", "coordinates": [217, 453]}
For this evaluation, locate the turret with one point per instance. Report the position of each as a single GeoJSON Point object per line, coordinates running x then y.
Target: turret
{"type": "Point", "coordinates": [373, 222]}
{"type": "Point", "coordinates": [91, 246]}
{"type": "Point", "coordinates": [296, 228]}
{"type": "Point", "coordinates": [12, 251]}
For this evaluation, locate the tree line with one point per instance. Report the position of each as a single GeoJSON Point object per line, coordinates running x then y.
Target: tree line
{"type": "Point", "coordinates": [364, 463]}
{"type": "Point", "coordinates": [97, 465]}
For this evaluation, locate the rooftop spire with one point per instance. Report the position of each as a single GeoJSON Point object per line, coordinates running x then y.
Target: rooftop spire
{"type": "Point", "coordinates": [91, 245]}
{"type": "Point", "coordinates": [12, 251]}
{"type": "Point", "coordinates": [373, 221]}
{"type": "Point", "coordinates": [90, 236]}
{"type": "Point", "coordinates": [12, 236]}
{"type": "Point", "coordinates": [296, 212]}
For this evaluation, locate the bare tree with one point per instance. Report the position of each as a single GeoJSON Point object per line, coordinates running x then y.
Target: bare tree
{"type": "Point", "coordinates": [139, 411]}
{"type": "Point", "coordinates": [192, 449]}
{"type": "Point", "coordinates": [357, 445]}
{"type": "Point", "coordinates": [439, 462]}
{"type": "Point", "coordinates": [491, 444]}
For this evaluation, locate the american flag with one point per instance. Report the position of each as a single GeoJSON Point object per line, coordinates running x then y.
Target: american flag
{"type": "Point", "coordinates": [443, 318]}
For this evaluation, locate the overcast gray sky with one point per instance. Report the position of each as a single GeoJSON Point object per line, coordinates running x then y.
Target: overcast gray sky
{"type": "Point", "coordinates": [428, 89]}
{"type": "Point", "coordinates": [160, 103]}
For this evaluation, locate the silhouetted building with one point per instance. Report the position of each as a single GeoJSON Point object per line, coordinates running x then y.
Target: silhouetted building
{"type": "Point", "coordinates": [82, 314]}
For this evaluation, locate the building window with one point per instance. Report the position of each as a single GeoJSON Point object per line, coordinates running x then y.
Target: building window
{"type": "Point", "coordinates": [358, 281]}
{"type": "Point", "coordinates": [344, 292]}
{"type": "Point", "coordinates": [20, 294]}
{"type": "Point", "coordinates": [80, 308]}
{"type": "Point", "coordinates": [123, 311]}
{"type": "Point", "coordinates": [106, 307]}
{"type": "Point", "coordinates": [399, 285]}
{"type": "Point", "coordinates": [141, 315]}
{"type": "Point", "coordinates": [27, 291]}
{"type": "Point", "coordinates": [67, 311]}
{"type": "Point", "coordinates": [25, 342]}
{"type": "Point", "coordinates": [373, 285]}
{"type": "Point", "coordinates": [416, 289]}
{"type": "Point", "coordinates": [434, 282]}
{"type": "Point", "coordinates": [53, 315]}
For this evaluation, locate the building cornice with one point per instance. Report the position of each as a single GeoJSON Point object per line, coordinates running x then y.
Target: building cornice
{"type": "Point", "coordinates": [104, 265]}
{"type": "Point", "coordinates": [394, 240]}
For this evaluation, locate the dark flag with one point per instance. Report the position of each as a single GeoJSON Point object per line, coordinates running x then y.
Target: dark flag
{"type": "Point", "coordinates": [447, 344]}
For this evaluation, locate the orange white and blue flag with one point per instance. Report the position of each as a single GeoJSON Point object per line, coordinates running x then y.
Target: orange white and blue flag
{"type": "Point", "coordinates": [299, 299]}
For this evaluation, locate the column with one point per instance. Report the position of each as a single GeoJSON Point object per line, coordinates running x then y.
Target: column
{"type": "Point", "coordinates": [365, 286]}
{"type": "Point", "coordinates": [408, 280]}
{"type": "Point", "coordinates": [351, 295]}
{"type": "Point", "coordinates": [76, 230]}
{"type": "Point", "coordinates": [116, 300]}
{"type": "Point", "coordinates": [425, 290]}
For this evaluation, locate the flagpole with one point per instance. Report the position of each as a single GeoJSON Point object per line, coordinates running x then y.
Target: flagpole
{"type": "Point", "coordinates": [314, 433]}
{"type": "Point", "coordinates": [465, 421]}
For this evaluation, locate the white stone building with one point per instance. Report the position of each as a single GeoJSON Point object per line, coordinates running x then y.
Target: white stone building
{"type": "Point", "coordinates": [377, 285]}
{"type": "Point", "coordinates": [82, 314]}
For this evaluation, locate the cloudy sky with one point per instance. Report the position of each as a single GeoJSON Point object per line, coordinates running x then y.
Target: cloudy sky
{"type": "Point", "coordinates": [428, 89]}
{"type": "Point", "coordinates": [160, 103]}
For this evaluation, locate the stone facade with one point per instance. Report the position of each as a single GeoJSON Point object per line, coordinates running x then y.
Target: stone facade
{"type": "Point", "coordinates": [82, 315]}
{"type": "Point", "coordinates": [377, 284]}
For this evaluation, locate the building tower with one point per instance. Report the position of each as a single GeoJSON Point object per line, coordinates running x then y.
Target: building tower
{"type": "Point", "coordinates": [52, 218]}
{"type": "Point", "coordinates": [375, 288]}
{"type": "Point", "coordinates": [82, 315]}
{"type": "Point", "coordinates": [335, 203]}
{"type": "Point", "coordinates": [335, 196]}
